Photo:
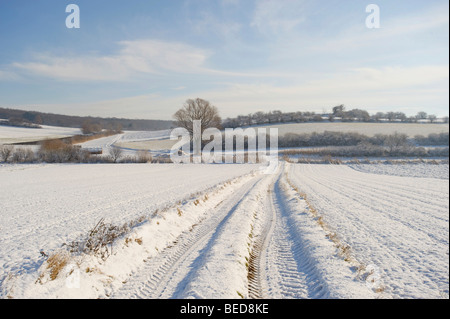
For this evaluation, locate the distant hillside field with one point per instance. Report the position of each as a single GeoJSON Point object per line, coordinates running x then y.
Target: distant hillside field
{"type": "Point", "coordinates": [12, 135]}
{"type": "Point", "coordinates": [150, 145]}
{"type": "Point", "coordinates": [369, 129]}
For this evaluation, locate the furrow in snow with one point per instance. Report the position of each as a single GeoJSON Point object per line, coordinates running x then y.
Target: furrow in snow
{"type": "Point", "coordinates": [165, 275]}
{"type": "Point", "coordinates": [398, 225]}
{"type": "Point", "coordinates": [288, 270]}
{"type": "Point", "coordinates": [299, 261]}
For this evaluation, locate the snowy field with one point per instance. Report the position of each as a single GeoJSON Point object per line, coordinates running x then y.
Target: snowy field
{"type": "Point", "coordinates": [44, 206]}
{"type": "Point", "coordinates": [413, 170]}
{"type": "Point", "coordinates": [157, 142]}
{"type": "Point", "coordinates": [10, 134]}
{"type": "Point", "coordinates": [306, 231]}
{"type": "Point", "coordinates": [398, 224]}
{"type": "Point", "coordinates": [227, 231]}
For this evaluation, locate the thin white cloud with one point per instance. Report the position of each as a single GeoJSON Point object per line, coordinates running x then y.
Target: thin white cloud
{"type": "Point", "coordinates": [134, 57]}
{"type": "Point", "coordinates": [210, 23]}
{"type": "Point", "coordinates": [392, 30]}
{"type": "Point", "coordinates": [277, 16]}
{"type": "Point", "coordinates": [8, 76]}
{"type": "Point", "coordinates": [150, 55]}
{"type": "Point", "coordinates": [88, 68]}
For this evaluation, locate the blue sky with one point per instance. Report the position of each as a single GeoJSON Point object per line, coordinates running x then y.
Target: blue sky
{"type": "Point", "coordinates": [144, 58]}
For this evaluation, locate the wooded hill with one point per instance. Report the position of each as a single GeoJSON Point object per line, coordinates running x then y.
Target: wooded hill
{"type": "Point", "coordinates": [339, 113]}
{"type": "Point", "coordinates": [51, 119]}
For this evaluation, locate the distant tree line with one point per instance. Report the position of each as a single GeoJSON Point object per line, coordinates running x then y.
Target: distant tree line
{"type": "Point", "coordinates": [58, 151]}
{"type": "Point", "coordinates": [40, 118]}
{"type": "Point", "coordinates": [367, 151]}
{"type": "Point", "coordinates": [350, 144]}
{"type": "Point", "coordinates": [338, 113]}
{"type": "Point", "coordinates": [328, 138]}
{"type": "Point", "coordinates": [17, 122]}
{"type": "Point", "coordinates": [92, 128]}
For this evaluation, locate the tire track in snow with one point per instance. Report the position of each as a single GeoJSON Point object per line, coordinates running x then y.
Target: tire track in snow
{"type": "Point", "coordinates": [165, 275]}
{"type": "Point", "coordinates": [287, 270]}
{"type": "Point", "coordinates": [201, 263]}
{"type": "Point", "coordinates": [255, 272]}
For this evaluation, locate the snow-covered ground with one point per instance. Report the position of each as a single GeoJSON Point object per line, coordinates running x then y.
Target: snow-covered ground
{"type": "Point", "coordinates": [134, 136]}
{"type": "Point", "coordinates": [157, 142]}
{"type": "Point", "coordinates": [413, 170]}
{"type": "Point", "coordinates": [44, 206]}
{"type": "Point", "coordinates": [397, 224]}
{"type": "Point", "coordinates": [10, 134]}
{"type": "Point", "coordinates": [226, 231]}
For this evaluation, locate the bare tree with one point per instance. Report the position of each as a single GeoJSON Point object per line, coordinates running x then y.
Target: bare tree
{"type": "Point", "coordinates": [115, 153]}
{"type": "Point", "coordinates": [379, 116]}
{"type": "Point", "coordinates": [5, 152]}
{"type": "Point", "coordinates": [396, 141]}
{"type": "Point", "coordinates": [422, 115]}
{"type": "Point", "coordinates": [432, 118]}
{"type": "Point", "coordinates": [259, 117]}
{"type": "Point", "coordinates": [89, 128]}
{"type": "Point", "coordinates": [338, 111]}
{"type": "Point", "coordinates": [390, 116]}
{"type": "Point", "coordinates": [197, 109]}
{"type": "Point", "coordinates": [143, 156]}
